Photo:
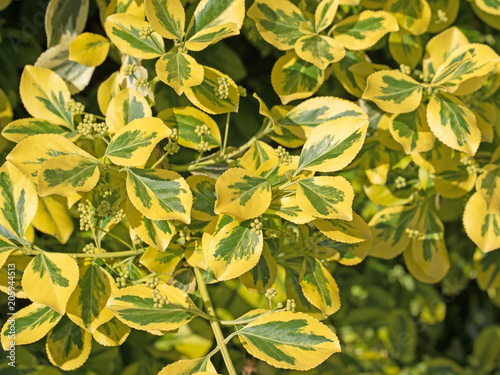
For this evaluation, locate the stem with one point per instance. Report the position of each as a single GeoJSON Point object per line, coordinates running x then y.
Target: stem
{"type": "Point", "coordinates": [116, 238]}
{"type": "Point", "coordinates": [214, 322]}
{"type": "Point", "coordinates": [155, 42]}
{"type": "Point", "coordinates": [116, 254]}
{"type": "Point", "coordinates": [223, 150]}
{"type": "Point", "coordinates": [159, 161]}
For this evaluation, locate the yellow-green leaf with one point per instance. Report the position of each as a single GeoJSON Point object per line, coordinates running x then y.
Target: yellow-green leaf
{"type": "Point", "coordinates": [333, 144]}
{"type": "Point", "coordinates": [179, 71]}
{"type": "Point", "coordinates": [412, 132]}
{"type": "Point", "coordinates": [242, 193]}
{"type": "Point", "coordinates": [405, 48]}
{"type": "Point", "coordinates": [393, 91]}
{"type": "Point", "coordinates": [216, 94]}
{"type": "Point", "coordinates": [489, 6]}
{"type": "Point", "coordinates": [167, 17]}
{"type": "Point", "coordinates": [488, 186]}
{"type": "Point", "coordinates": [159, 194]}
{"type": "Point", "coordinates": [354, 231]}
{"type": "Point", "coordinates": [124, 31]}
{"type": "Point", "coordinates": [481, 227]}
{"type": "Point", "coordinates": [132, 145]}
{"type": "Point", "coordinates": [204, 197]}
{"type": "Point", "coordinates": [263, 275]}
{"type": "Point", "coordinates": [162, 262]}
{"type": "Point", "coordinates": [288, 209]}
{"type": "Point", "coordinates": [64, 20]}
{"type": "Point", "coordinates": [389, 225]}
{"type": "Point", "coordinates": [50, 278]}
{"type": "Point", "coordinates": [86, 306]}
{"type": "Point", "coordinates": [453, 123]}
{"type": "Point", "coordinates": [412, 15]}
{"type": "Point", "coordinates": [135, 307]}
{"type": "Point", "coordinates": [449, 9]}
{"type": "Point", "coordinates": [348, 254]}
{"type": "Point", "coordinates": [427, 257]}
{"type": "Point", "coordinates": [324, 14]}
{"type": "Point", "coordinates": [28, 325]}
{"type": "Point", "coordinates": [302, 119]}
{"type": "Point", "coordinates": [44, 95]}
{"type": "Point", "coordinates": [318, 286]}
{"type": "Point", "coordinates": [189, 367]}
{"type": "Point", "coordinates": [89, 49]}
{"type": "Point", "coordinates": [20, 262]}
{"type": "Point", "coordinates": [111, 333]}
{"type": "Point", "coordinates": [319, 50]}
{"type": "Point", "coordinates": [189, 122]}
{"type": "Point", "coordinates": [326, 197]}
{"type": "Point", "coordinates": [235, 249]}
{"type": "Point", "coordinates": [362, 31]}
{"type": "Point", "coordinates": [278, 22]}
{"type": "Point", "coordinates": [32, 152]}
{"type": "Point", "coordinates": [214, 20]}
{"type": "Point", "coordinates": [68, 345]}
{"type": "Point", "coordinates": [67, 174]}
{"type": "Point", "coordinates": [289, 340]}
{"type": "Point", "coordinates": [259, 153]}
{"type": "Point", "coordinates": [20, 129]}
{"type": "Point", "coordinates": [487, 268]}
{"type": "Point", "coordinates": [293, 78]}
{"type": "Point", "coordinates": [18, 203]}
{"type": "Point", "coordinates": [126, 106]}
{"type": "Point", "coordinates": [107, 91]}
{"type": "Point", "coordinates": [440, 47]}
{"type": "Point", "coordinates": [156, 233]}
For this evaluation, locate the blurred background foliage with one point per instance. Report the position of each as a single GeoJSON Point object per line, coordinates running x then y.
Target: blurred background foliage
{"type": "Point", "coordinates": [389, 323]}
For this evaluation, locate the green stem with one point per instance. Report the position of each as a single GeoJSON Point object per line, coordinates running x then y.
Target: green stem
{"type": "Point", "coordinates": [116, 238]}
{"type": "Point", "coordinates": [116, 254]}
{"type": "Point", "coordinates": [226, 133]}
{"type": "Point", "coordinates": [214, 322]}
{"type": "Point", "coordinates": [159, 161]}
{"type": "Point", "coordinates": [155, 42]}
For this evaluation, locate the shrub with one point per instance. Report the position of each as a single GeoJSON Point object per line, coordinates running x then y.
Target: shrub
{"type": "Point", "coordinates": [184, 190]}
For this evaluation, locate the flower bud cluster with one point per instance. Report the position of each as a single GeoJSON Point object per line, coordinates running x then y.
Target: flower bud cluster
{"type": "Point", "coordinates": [87, 214]}
{"type": "Point", "coordinates": [400, 182]}
{"type": "Point", "coordinates": [122, 278]}
{"type": "Point", "coordinates": [89, 248]}
{"type": "Point", "coordinates": [290, 305]}
{"type": "Point", "coordinates": [129, 70]}
{"type": "Point", "coordinates": [256, 226]}
{"type": "Point", "coordinates": [271, 293]}
{"type": "Point", "coordinates": [283, 155]}
{"type": "Point", "coordinates": [171, 148]}
{"type": "Point", "coordinates": [222, 91]}
{"type": "Point", "coordinates": [146, 31]}
{"type": "Point", "coordinates": [74, 107]}
{"type": "Point", "coordinates": [158, 299]}
{"type": "Point", "coordinates": [153, 283]}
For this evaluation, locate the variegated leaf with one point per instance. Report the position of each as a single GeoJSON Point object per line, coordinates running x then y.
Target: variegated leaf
{"type": "Point", "coordinates": [488, 186]}
{"type": "Point", "coordinates": [288, 209]}
{"type": "Point", "coordinates": [89, 49]}
{"type": "Point", "coordinates": [189, 367]}
{"type": "Point", "coordinates": [18, 203]}
{"type": "Point", "coordinates": [326, 197]}
{"type": "Point", "coordinates": [50, 279]}
{"type": "Point", "coordinates": [242, 193]}
{"type": "Point", "coordinates": [68, 345]}
{"type": "Point", "coordinates": [179, 71]}
{"type": "Point", "coordinates": [324, 14]}
{"type": "Point", "coordinates": [406, 48]}
{"type": "Point", "coordinates": [159, 194]}
{"type": "Point", "coordinates": [278, 22]}
{"type": "Point", "coordinates": [302, 119]}
{"type": "Point", "coordinates": [289, 340]}
{"type": "Point", "coordinates": [53, 218]}
{"type": "Point", "coordinates": [107, 91]}
{"type": "Point", "coordinates": [64, 20]}
{"type": "Point", "coordinates": [214, 20]}
{"type": "Point", "coordinates": [354, 231]}
{"type": "Point", "coordinates": [412, 15]}
{"type": "Point", "coordinates": [67, 174]}
{"type": "Point", "coordinates": [167, 17]}
{"type": "Point", "coordinates": [333, 144]}
{"type": "Point", "coordinates": [162, 262]}
{"type": "Point", "coordinates": [489, 6]}
{"type": "Point", "coordinates": [135, 307]}
{"type": "Point", "coordinates": [362, 31]}
{"type": "Point", "coordinates": [393, 91]}
{"type": "Point", "coordinates": [86, 306]}
{"type": "Point", "coordinates": [111, 333]}
{"type": "Point", "coordinates": [188, 121]}
{"type": "Point", "coordinates": [258, 154]}
{"type": "Point", "coordinates": [449, 8]}
{"type": "Point", "coordinates": [453, 123]}
{"type": "Point", "coordinates": [20, 129]}
{"type": "Point", "coordinates": [156, 233]}
{"type": "Point", "coordinates": [319, 50]}
{"type": "Point", "coordinates": [44, 95]}
{"type": "Point", "coordinates": [481, 227]}
{"type": "Point", "coordinates": [124, 31]}
{"type": "Point", "coordinates": [235, 249]}
{"type": "Point", "coordinates": [216, 94]}
{"type": "Point", "coordinates": [126, 106]}
{"type": "Point", "coordinates": [263, 275]}
{"type": "Point", "coordinates": [412, 132]}
{"type": "Point", "coordinates": [292, 78]}
{"type": "Point", "coordinates": [30, 323]}
{"type": "Point", "coordinates": [204, 197]}
{"type": "Point", "coordinates": [440, 47]}
{"type": "Point", "coordinates": [318, 286]}
{"type": "Point", "coordinates": [132, 145]}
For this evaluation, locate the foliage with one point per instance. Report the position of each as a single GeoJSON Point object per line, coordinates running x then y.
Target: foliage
{"type": "Point", "coordinates": [198, 206]}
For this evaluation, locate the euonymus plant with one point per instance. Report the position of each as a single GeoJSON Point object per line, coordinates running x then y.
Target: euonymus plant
{"type": "Point", "coordinates": [122, 207]}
